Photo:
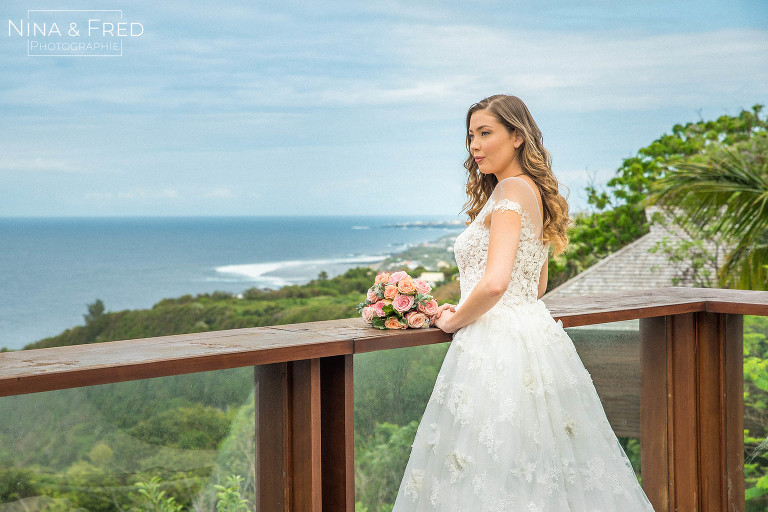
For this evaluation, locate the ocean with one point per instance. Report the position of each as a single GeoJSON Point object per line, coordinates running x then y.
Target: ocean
{"type": "Point", "coordinates": [52, 268]}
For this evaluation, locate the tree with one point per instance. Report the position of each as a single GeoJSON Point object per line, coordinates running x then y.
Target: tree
{"type": "Point", "coordinates": [618, 211]}
{"type": "Point", "coordinates": [95, 311]}
{"type": "Point", "coordinates": [725, 190]}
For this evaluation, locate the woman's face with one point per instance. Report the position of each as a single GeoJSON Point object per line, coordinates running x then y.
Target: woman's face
{"type": "Point", "coordinates": [492, 146]}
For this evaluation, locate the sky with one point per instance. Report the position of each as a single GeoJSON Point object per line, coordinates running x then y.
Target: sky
{"type": "Point", "coordinates": [350, 108]}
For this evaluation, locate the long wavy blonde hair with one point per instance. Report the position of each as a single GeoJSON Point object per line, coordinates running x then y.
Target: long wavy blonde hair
{"type": "Point", "coordinates": [535, 161]}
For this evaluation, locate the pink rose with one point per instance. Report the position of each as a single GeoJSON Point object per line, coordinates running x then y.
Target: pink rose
{"type": "Point", "coordinates": [368, 313]}
{"type": "Point", "coordinates": [396, 277]}
{"type": "Point", "coordinates": [417, 320]}
{"type": "Point", "coordinates": [422, 286]}
{"type": "Point", "coordinates": [382, 278]}
{"type": "Point", "coordinates": [378, 308]}
{"type": "Point", "coordinates": [390, 291]}
{"type": "Point", "coordinates": [394, 323]}
{"type": "Point", "coordinates": [372, 296]}
{"type": "Point", "coordinates": [429, 308]}
{"type": "Point", "coordinates": [405, 285]}
{"type": "Point", "coordinates": [403, 303]}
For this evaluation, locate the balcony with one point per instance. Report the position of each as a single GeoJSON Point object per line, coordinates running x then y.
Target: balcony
{"type": "Point", "coordinates": [675, 383]}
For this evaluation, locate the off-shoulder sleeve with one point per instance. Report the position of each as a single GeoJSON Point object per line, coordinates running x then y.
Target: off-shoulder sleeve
{"type": "Point", "coordinates": [515, 194]}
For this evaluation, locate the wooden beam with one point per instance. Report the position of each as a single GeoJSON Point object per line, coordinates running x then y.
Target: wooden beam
{"type": "Point", "coordinates": [732, 431]}
{"type": "Point", "coordinates": [288, 449]}
{"type": "Point", "coordinates": [32, 371]}
{"type": "Point", "coordinates": [338, 433]}
{"type": "Point", "coordinates": [306, 435]}
{"type": "Point", "coordinates": [693, 412]}
{"type": "Point", "coordinates": [654, 461]}
{"type": "Point", "coordinates": [273, 492]}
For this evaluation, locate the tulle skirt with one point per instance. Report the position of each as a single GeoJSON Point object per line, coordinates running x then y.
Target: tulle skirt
{"type": "Point", "coordinates": [514, 424]}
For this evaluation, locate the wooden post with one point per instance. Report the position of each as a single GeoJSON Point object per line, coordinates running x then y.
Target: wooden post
{"type": "Point", "coordinates": [693, 412]}
{"type": "Point", "coordinates": [305, 435]}
{"type": "Point", "coordinates": [338, 433]}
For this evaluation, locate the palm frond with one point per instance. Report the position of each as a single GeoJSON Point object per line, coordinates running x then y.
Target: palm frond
{"type": "Point", "coordinates": [730, 193]}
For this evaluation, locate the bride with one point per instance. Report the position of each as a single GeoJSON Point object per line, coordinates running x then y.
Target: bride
{"type": "Point", "coordinates": [514, 422]}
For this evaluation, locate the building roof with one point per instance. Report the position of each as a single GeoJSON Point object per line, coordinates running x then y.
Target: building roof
{"type": "Point", "coordinates": [631, 267]}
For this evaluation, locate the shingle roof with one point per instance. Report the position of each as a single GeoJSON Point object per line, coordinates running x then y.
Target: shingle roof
{"type": "Point", "coordinates": [631, 267]}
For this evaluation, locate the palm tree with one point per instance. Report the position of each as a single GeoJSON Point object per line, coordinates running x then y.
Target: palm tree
{"type": "Point", "coordinates": [729, 191]}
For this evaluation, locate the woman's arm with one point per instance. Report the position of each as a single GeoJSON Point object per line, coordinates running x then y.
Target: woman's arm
{"type": "Point", "coordinates": [502, 248]}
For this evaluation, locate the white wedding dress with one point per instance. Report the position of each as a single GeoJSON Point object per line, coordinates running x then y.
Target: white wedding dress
{"type": "Point", "coordinates": [514, 422]}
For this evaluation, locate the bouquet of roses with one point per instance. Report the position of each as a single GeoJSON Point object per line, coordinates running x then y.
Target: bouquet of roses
{"type": "Point", "coordinates": [397, 301]}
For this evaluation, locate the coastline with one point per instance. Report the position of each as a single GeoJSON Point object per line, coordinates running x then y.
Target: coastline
{"type": "Point", "coordinates": [79, 262]}
{"type": "Point", "coordinates": [432, 255]}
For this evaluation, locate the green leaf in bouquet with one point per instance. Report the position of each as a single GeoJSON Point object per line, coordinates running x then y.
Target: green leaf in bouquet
{"type": "Point", "coordinates": [378, 322]}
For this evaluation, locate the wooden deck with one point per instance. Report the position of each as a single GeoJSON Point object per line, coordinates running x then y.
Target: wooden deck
{"type": "Point", "coordinates": [686, 376]}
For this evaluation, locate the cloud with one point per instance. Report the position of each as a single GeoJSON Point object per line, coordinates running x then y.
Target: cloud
{"type": "Point", "coordinates": [220, 193]}
{"type": "Point", "coordinates": [608, 70]}
{"type": "Point", "coordinates": [134, 193]}
{"type": "Point", "coordinates": [38, 164]}
{"type": "Point", "coordinates": [401, 63]}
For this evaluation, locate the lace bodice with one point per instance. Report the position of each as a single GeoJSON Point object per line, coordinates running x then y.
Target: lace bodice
{"type": "Point", "coordinates": [471, 246]}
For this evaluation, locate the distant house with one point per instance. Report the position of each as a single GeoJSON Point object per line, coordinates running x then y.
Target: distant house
{"type": "Point", "coordinates": [632, 267]}
{"type": "Point", "coordinates": [432, 277]}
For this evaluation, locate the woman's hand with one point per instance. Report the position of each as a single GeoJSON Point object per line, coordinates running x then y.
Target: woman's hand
{"type": "Point", "coordinates": [445, 306]}
{"type": "Point", "coordinates": [443, 317]}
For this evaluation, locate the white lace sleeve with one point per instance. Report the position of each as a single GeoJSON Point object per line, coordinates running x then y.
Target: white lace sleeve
{"type": "Point", "coordinates": [507, 204]}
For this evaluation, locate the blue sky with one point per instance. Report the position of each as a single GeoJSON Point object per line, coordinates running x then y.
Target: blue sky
{"type": "Point", "coordinates": [349, 108]}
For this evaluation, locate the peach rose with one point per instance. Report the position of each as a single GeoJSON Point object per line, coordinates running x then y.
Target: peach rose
{"type": "Point", "coordinates": [383, 277]}
{"type": "Point", "coordinates": [372, 296]}
{"type": "Point", "coordinates": [395, 277]}
{"type": "Point", "coordinates": [393, 323]}
{"type": "Point", "coordinates": [405, 285]}
{"type": "Point", "coordinates": [429, 308]}
{"type": "Point", "coordinates": [368, 313]}
{"type": "Point", "coordinates": [417, 320]}
{"type": "Point", "coordinates": [390, 291]}
{"type": "Point", "coordinates": [403, 303]}
{"type": "Point", "coordinates": [422, 286]}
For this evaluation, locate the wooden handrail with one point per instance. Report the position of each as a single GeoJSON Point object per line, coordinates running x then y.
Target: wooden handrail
{"type": "Point", "coordinates": [47, 369]}
{"type": "Point", "coordinates": [685, 374]}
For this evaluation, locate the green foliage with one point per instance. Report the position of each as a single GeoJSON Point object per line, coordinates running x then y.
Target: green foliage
{"type": "Point", "coordinates": [695, 258]}
{"type": "Point", "coordinates": [631, 447]}
{"type": "Point", "coordinates": [228, 496]}
{"type": "Point", "coordinates": [95, 311]}
{"type": "Point", "coordinates": [756, 411]}
{"type": "Point", "coordinates": [727, 194]}
{"type": "Point", "coordinates": [320, 299]}
{"type": "Point", "coordinates": [150, 497]}
{"type": "Point", "coordinates": [197, 427]}
{"type": "Point", "coordinates": [380, 464]}
{"type": "Point", "coordinates": [618, 215]}
{"type": "Point", "coordinates": [394, 385]}
{"type": "Point", "coordinates": [16, 484]}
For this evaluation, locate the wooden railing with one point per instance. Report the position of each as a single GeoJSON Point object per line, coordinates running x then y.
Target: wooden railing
{"type": "Point", "coordinates": [683, 395]}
